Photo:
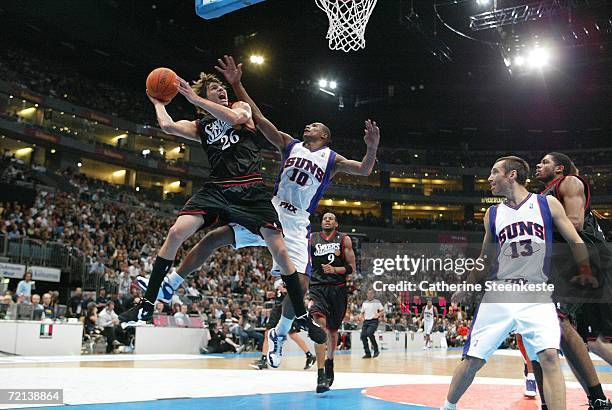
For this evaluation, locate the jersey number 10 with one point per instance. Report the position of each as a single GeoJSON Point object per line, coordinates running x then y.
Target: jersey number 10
{"type": "Point", "coordinates": [298, 177]}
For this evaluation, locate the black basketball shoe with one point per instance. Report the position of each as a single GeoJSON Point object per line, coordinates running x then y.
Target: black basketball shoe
{"type": "Point", "coordinates": [322, 383]}
{"type": "Point", "coordinates": [329, 371]}
{"type": "Point", "coordinates": [141, 312]}
{"type": "Point", "coordinates": [600, 404]}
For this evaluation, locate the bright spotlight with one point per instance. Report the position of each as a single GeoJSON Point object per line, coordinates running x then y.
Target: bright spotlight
{"type": "Point", "coordinates": [539, 57]}
{"type": "Point", "coordinates": [519, 60]}
{"type": "Point", "coordinates": [257, 59]}
{"type": "Point", "coordinates": [333, 85]}
{"type": "Point", "coordinates": [482, 2]}
{"type": "Point", "coordinates": [323, 83]}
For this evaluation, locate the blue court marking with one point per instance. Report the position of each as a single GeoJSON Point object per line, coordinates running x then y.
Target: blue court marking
{"type": "Point", "coordinates": [602, 368]}
{"type": "Point", "coordinates": [337, 353]}
{"type": "Point", "coordinates": [334, 399]}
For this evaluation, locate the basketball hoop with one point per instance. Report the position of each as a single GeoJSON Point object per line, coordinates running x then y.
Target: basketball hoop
{"type": "Point", "coordinates": [347, 22]}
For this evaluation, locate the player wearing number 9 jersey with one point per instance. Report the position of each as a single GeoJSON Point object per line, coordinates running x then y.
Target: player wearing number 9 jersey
{"type": "Point", "coordinates": [520, 233]}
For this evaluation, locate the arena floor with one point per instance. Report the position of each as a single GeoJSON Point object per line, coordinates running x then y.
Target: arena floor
{"type": "Point", "coordinates": [408, 380]}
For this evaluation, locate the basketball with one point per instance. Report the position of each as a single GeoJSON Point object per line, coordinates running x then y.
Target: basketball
{"type": "Point", "coordinates": [162, 84]}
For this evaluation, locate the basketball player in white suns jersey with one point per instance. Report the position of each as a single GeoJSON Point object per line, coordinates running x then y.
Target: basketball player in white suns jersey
{"type": "Point", "coordinates": [429, 314]}
{"type": "Point", "coordinates": [520, 230]}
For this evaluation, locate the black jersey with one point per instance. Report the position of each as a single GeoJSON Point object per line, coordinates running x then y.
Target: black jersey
{"type": "Point", "coordinates": [232, 151]}
{"type": "Point", "coordinates": [590, 226]}
{"type": "Point", "coordinates": [323, 251]}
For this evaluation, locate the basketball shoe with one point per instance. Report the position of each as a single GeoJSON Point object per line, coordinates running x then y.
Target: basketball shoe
{"type": "Point", "coordinates": [143, 311]}
{"type": "Point", "coordinates": [322, 382]}
{"type": "Point", "coordinates": [530, 388]}
{"type": "Point", "coordinates": [329, 371]}
{"type": "Point", "coordinates": [275, 348]}
{"type": "Point", "coordinates": [310, 360]}
{"type": "Point", "coordinates": [600, 404]}
{"type": "Point", "coordinates": [259, 364]}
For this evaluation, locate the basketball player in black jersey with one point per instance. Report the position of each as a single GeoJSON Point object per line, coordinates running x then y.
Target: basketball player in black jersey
{"type": "Point", "coordinates": [234, 192]}
{"type": "Point", "coordinates": [594, 320]}
{"type": "Point", "coordinates": [333, 260]}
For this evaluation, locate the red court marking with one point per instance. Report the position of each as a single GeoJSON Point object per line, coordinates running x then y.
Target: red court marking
{"type": "Point", "coordinates": [478, 396]}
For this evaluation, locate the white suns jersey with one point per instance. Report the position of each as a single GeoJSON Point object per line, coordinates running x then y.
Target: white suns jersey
{"type": "Point", "coordinates": [428, 314]}
{"type": "Point", "coordinates": [304, 176]}
{"type": "Point", "coordinates": [523, 235]}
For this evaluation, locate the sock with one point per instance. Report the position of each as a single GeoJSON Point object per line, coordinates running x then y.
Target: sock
{"type": "Point", "coordinates": [284, 326]}
{"type": "Point", "coordinates": [525, 371]}
{"type": "Point", "coordinates": [544, 406]}
{"type": "Point", "coordinates": [175, 280]}
{"type": "Point", "coordinates": [449, 406]}
{"type": "Point", "coordinates": [530, 376]}
{"type": "Point", "coordinates": [263, 357]}
{"type": "Point", "coordinates": [308, 354]}
{"type": "Point", "coordinates": [321, 372]}
{"type": "Point", "coordinates": [161, 267]}
{"type": "Point", "coordinates": [295, 293]}
{"type": "Point", "coordinates": [595, 392]}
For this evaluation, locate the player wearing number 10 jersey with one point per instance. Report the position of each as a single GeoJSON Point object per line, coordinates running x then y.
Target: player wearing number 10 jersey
{"type": "Point", "coordinates": [306, 171]}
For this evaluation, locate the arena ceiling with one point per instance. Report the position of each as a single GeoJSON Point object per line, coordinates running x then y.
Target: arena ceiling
{"type": "Point", "coordinates": [414, 70]}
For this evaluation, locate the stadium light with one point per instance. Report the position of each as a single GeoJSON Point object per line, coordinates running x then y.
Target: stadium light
{"type": "Point", "coordinates": [539, 57]}
{"type": "Point", "coordinates": [483, 2]}
{"type": "Point", "coordinates": [79, 164]}
{"type": "Point", "coordinates": [257, 59]}
{"type": "Point", "coordinates": [519, 60]}
{"type": "Point", "coordinates": [323, 83]}
{"type": "Point", "coordinates": [333, 85]}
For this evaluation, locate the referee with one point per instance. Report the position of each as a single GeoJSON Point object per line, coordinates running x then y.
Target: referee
{"type": "Point", "coordinates": [371, 310]}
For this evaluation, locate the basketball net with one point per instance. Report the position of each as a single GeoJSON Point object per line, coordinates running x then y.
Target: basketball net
{"type": "Point", "coordinates": [347, 22]}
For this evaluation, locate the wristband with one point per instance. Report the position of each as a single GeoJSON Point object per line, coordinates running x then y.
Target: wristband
{"type": "Point", "coordinates": [349, 270]}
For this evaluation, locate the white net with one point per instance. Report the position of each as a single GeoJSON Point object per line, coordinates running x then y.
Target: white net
{"type": "Point", "coordinates": [347, 22]}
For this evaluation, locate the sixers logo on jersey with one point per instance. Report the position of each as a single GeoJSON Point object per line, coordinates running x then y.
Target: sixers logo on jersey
{"type": "Point", "coordinates": [326, 248]}
{"type": "Point", "coordinates": [306, 165]}
{"type": "Point", "coordinates": [520, 228]}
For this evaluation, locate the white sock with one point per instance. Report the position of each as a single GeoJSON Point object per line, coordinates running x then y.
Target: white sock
{"type": "Point", "coordinates": [530, 376]}
{"type": "Point", "coordinates": [175, 280]}
{"type": "Point", "coordinates": [449, 406]}
{"type": "Point", "coordinates": [284, 326]}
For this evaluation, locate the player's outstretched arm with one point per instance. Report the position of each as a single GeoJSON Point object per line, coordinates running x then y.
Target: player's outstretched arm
{"type": "Point", "coordinates": [182, 128]}
{"type": "Point", "coordinates": [365, 167]}
{"type": "Point", "coordinates": [238, 114]}
{"type": "Point", "coordinates": [579, 250]}
{"type": "Point", "coordinates": [233, 75]}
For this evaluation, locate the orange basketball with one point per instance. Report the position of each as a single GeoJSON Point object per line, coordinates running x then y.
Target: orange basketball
{"type": "Point", "coordinates": [162, 84]}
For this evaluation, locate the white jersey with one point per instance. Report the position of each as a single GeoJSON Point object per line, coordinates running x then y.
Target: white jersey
{"type": "Point", "coordinates": [428, 314]}
{"type": "Point", "coordinates": [304, 176]}
{"type": "Point", "coordinates": [523, 235]}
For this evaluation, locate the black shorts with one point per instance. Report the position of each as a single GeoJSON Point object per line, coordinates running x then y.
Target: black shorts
{"type": "Point", "coordinates": [594, 320]}
{"type": "Point", "coordinates": [248, 205]}
{"type": "Point", "coordinates": [329, 301]}
{"type": "Point", "coordinates": [275, 315]}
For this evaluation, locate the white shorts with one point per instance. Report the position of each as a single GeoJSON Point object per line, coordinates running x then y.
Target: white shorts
{"type": "Point", "coordinates": [296, 231]}
{"type": "Point", "coordinates": [536, 322]}
{"type": "Point", "coordinates": [428, 326]}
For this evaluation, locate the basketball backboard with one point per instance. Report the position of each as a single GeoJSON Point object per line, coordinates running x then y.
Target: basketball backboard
{"type": "Point", "coordinates": [210, 9]}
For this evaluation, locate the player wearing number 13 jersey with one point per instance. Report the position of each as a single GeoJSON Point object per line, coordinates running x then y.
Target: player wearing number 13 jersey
{"type": "Point", "coordinates": [518, 236]}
